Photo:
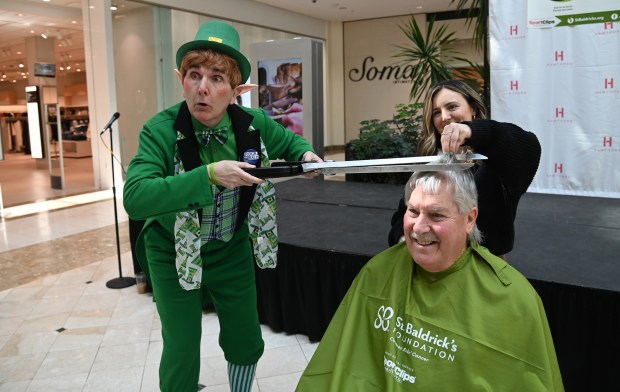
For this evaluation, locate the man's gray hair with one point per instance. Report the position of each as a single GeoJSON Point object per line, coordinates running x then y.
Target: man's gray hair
{"type": "Point", "coordinates": [462, 184]}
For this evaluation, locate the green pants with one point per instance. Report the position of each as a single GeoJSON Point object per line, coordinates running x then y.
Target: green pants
{"type": "Point", "coordinates": [228, 275]}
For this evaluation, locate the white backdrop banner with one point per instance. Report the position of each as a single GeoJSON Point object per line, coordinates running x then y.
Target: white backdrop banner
{"type": "Point", "coordinates": [563, 84]}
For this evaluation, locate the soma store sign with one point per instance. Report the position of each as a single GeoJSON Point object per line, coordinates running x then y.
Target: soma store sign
{"type": "Point", "coordinates": [368, 71]}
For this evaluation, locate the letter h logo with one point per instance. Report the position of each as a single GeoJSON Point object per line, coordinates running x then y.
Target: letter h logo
{"type": "Point", "coordinates": [558, 168]}
{"type": "Point", "coordinates": [559, 112]}
{"type": "Point", "coordinates": [609, 83]}
{"type": "Point", "coordinates": [514, 30]}
{"type": "Point", "coordinates": [514, 85]}
{"type": "Point", "coordinates": [559, 55]}
{"type": "Point", "coordinates": [607, 141]}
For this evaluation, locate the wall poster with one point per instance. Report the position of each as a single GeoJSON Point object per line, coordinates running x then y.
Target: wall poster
{"type": "Point", "coordinates": [280, 92]}
{"type": "Point", "coordinates": [289, 74]}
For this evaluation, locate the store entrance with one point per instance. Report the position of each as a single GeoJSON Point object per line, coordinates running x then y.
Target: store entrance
{"type": "Point", "coordinates": [23, 183]}
{"type": "Point", "coordinates": [54, 40]}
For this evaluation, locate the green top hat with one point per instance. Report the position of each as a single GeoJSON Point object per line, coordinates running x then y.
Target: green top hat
{"type": "Point", "coordinates": [221, 37]}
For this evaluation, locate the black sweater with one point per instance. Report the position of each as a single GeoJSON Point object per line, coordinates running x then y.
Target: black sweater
{"type": "Point", "coordinates": [513, 157]}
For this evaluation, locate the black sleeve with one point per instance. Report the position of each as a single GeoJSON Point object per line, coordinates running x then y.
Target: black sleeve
{"type": "Point", "coordinates": [397, 223]}
{"type": "Point", "coordinates": [513, 153]}
{"type": "Point", "coordinates": [513, 158]}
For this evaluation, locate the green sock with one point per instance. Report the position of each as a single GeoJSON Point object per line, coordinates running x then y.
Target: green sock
{"type": "Point", "coordinates": [240, 377]}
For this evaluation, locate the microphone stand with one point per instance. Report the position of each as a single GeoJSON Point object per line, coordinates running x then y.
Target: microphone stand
{"type": "Point", "coordinates": [120, 282]}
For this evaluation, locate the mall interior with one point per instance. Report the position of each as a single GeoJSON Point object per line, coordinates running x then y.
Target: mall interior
{"type": "Point", "coordinates": [64, 234]}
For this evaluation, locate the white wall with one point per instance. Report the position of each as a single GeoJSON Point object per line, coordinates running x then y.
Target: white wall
{"type": "Point", "coordinates": [334, 86]}
{"type": "Point", "coordinates": [136, 76]}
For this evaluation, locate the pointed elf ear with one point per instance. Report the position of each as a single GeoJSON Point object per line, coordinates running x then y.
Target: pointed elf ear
{"type": "Point", "coordinates": [244, 88]}
{"type": "Point", "coordinates": [179, 75]}
{"type": "Point", "coordinates": [241, 89]}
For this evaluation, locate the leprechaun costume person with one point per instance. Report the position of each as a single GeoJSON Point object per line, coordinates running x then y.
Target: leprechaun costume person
{"type": "Point", "coordinates": [207, 219]}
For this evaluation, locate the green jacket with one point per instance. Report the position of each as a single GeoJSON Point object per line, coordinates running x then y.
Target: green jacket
{"type": "Point", "coordinates": [153, 192]}
{"type": "Point", "coordinates": [478, 326]}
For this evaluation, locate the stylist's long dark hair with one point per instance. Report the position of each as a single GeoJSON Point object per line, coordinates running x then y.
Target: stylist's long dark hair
{"type": "Point", "coordinates": [430, 137]}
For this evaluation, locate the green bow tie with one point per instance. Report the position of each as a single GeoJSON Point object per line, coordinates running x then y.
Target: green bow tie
{"type": "Point", "coordinates": [220, 134]}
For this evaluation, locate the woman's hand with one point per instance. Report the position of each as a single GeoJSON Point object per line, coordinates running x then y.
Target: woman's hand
{"type": "Point", "coordinates": [230, 174]}
{"type": "Point", "coordinates": [454, 136]}
{"type": "Point", "coordinates": [309, 156]}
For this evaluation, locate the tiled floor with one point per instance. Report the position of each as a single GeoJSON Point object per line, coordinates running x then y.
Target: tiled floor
{"type": "Point", "coordinates": [62, 329]}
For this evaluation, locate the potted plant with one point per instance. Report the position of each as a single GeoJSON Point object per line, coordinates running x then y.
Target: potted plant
{"type": "Point", "coordinates": [394, 138]}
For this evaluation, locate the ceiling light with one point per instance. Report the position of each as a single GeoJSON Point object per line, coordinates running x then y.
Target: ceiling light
{"type": "Point", "coordinates": [113, 7]}
{"type": "Point", "coordinates": [21, 65]}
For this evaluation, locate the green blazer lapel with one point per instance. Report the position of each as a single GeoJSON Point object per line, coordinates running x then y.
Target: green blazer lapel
{"type": "Point", "coordinates": [188, 148]}
{"type": "Point", "coordinates": [245, 141]}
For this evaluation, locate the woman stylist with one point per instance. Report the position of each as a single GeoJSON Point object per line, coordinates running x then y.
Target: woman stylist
{"type": "Point", "coordinates": [454, 121]}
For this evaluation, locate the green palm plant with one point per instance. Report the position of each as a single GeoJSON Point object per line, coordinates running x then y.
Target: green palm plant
{"type": "Point", "coordinates": [431, 54]}
{"type": "Point", "coordinates": [477, 13]}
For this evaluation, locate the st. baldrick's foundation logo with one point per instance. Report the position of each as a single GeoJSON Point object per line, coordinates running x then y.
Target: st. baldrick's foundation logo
{"type": "Point", "coordinates": [384, 314]}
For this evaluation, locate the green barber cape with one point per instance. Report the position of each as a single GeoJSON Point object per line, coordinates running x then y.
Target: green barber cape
{"type": "Point", "coordinates": [477, 326]}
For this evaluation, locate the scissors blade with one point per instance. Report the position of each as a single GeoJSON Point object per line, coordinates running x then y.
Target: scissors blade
{"type": "Point", "coordinates": [395, 168]}
{"type": "Point", "coordinates": [391, 162]}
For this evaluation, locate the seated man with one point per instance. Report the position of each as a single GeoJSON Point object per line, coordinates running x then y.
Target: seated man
{"type": "Point", "coordinates": [437, 312]}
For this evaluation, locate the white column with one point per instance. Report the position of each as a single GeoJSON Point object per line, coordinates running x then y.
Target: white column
{"type": "Point", "coordinates": [99, 55]}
